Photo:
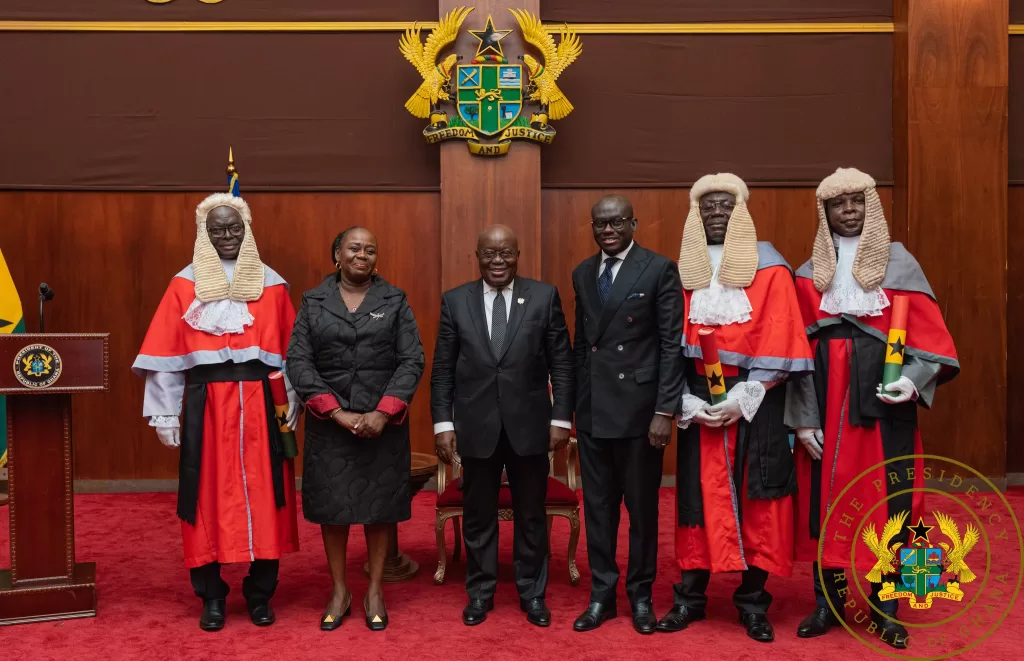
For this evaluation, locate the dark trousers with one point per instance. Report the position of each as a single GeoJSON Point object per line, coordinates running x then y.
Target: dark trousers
{"type": "Point", "coordinates": [615, 469]}
{"type": "Point", "coordinates": [258, 585]}
{"type": "Point", "coordinates": [833, 584]}
{"type": "Point", "coordinates": [481, 484]}
{"type": "Point", "coordinates": [750, 596]}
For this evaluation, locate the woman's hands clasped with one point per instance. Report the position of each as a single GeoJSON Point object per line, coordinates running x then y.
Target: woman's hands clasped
{"type": "Point", "coordinates": [364, 425]}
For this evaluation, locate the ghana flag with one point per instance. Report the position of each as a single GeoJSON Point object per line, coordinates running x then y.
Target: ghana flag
{"type": "Point", "coordinates": [10, 322]}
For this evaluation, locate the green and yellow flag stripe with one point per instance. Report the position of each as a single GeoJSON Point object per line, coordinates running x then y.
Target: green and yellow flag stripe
{"type": "Point", "coordinates": [897, 341]}
{"type": "Point", "coordinates": [11, 321]}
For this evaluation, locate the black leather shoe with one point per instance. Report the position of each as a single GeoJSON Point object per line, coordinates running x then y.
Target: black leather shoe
{"type": "Point", "coordinates": [329, 622]}
{"type": "Point", "coordinates": [680, 617]}
{"type": "Point", "coordinates": [644, 620]}
{"type": "Point", "coordinates": [212, 618]}
{"type": "Point", "coordinates": [758, 627]}
{"type": "Point", "coordinates": [592, 618]}
{"type": "Point", "coordinates": [476, 610]}
{"type": "Point", "coordinates": [817, 623]}
{"type": "Point", "coordinates": [260, 612]}
{"type": "Point", "coordinates": [377, 622]}
{"type": "Point", "coordinates": [893, 634]}
{"type": "Point", "coordinates": [537, 612]}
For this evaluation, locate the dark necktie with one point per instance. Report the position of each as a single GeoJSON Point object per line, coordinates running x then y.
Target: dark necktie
{"type": "Point", "coordinates": [499, 320]}
{"type": "Point", "coordinates": [604, 283]}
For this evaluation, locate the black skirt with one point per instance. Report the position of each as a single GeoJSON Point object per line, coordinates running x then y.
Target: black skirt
{"type": "Point", "coordinates": [351, 480]}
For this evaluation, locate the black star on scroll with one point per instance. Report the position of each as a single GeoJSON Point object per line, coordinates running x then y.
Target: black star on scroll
{"type": "Point", "coordinates": [897, 347]}
{"type": "Point", "coordinates": [716, 380]}
{"type": "Point", "coordinates": [490, 38]}
{"type": "Point", "coordinates": [282, 420]}
{"type": "Point", "coordinates": [920, 531]}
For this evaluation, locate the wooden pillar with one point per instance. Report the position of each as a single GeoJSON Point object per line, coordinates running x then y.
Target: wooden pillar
{"type": "Point", "coordinates": [950, 79]}
{"type": "Point", "coordinates": [478, 191]}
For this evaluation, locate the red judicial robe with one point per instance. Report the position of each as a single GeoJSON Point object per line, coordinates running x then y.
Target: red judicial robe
{"type": "Point", "coordinates": [236, 516]}
{"type": "Point", "coordinates": [735, 483]}
{"type": "Point", "coordinates": [859, 430]}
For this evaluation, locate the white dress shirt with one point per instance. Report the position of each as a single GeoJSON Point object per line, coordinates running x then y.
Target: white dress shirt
{"type": "Point", "coordinates": [617, 265]}
{"type": "Point", "coordinates": [490, 293]}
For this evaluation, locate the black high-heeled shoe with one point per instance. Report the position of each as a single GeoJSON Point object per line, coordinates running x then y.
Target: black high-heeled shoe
{"type": "Point", "coordinates": [377, 622]}
{"type": "Point", "coordinates": [329, 622]}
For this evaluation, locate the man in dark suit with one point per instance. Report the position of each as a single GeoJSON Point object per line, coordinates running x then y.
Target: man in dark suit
{"type": "Point", "coordinates": [629, 378]}
{"type": "Point", "coordinates": [501, 338]}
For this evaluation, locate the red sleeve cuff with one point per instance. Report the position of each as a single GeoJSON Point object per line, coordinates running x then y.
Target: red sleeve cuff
{"type": "Point", "coordinates": [391, 407]}
{"type": "Point", "coordinates": [321, 405]}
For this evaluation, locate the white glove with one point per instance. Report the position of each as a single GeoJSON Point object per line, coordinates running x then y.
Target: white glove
{"type": "Point", "coordinates": [295, 406]}
{"type": "Point", "coordinates": [694, 409]}
{"type": "Point", "coordinates": [169, 436]}
{"type": "Point", "coordinates": [743, 401]}
{"type": "Point", "coordinates": [903, 390]}
{"type": "Point", "coordinates": [813, 441]}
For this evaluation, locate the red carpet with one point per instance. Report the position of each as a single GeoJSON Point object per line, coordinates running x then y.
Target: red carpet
{"type": "Point", "coordinates": [148, 612]}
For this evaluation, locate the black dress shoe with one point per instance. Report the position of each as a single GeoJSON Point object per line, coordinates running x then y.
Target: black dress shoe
{"type": "Point", "coordinates": [476, 610]}
{"type": "Point", "coordinates": [644, 620]}
{"type": "Point", "coordinates": [758, 627]}
{"type": "Point", "coordinates": [329, 622]}
{"type": "Point", "coordinates": [377, 622]}
{"type": "Point", "coordinates": [817, 623]}
{"type": "Point", "coordinates": [260, 612]}
{"type": "Point", "coordinates": [537, 612]}
{"type": "Point", "coordinates": [893, 634]}
{"type": "Point", "coordinates": [592, 618]}
{"type": "Point", "coordinates": [680, 617]}
{"type": "Point", "coordinates": [212, 618]}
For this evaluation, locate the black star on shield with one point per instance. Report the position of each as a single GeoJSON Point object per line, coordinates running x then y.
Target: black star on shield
{"type": "Point", "coordinates": [920, 531]}
{"type": "Point", "coordinates": [716, 380]}
{"type": "Point", "coordinates": [489, 39]}
{"type": "Point", "coordinates": [897, 347]}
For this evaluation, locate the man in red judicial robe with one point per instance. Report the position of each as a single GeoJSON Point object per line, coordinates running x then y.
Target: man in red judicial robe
{"type": "Point", "coordinates": [845, 423]}
{"type": "Point", "coordinates": [220, 330]}
{"type": "Point", "coordinates": [734, 471]}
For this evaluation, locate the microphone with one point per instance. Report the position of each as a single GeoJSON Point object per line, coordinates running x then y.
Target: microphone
{"type": "Point", "coordinates": [45, 294]}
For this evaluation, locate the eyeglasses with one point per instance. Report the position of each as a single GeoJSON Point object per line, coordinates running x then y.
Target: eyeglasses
{"type": "Point", "coordinates": [490, 255]}
{"type": "Point", "coordinates": [220, 232]}
{"type": "Point", "coordinates": [616, 223]}
{"type": "Point", "coordinates": [710, 205]}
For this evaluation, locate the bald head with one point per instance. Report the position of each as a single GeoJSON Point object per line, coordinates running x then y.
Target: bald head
{"type": "Point", "coordinates": [497, 251]}
{"type": "Point", "coordinates": [613, 223]}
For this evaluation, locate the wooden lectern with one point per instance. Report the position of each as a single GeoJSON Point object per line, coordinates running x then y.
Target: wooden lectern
{"type": "Point", "coordinates": [39, 373]}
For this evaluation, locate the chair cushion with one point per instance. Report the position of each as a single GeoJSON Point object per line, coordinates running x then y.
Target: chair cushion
{"type": "Point", "coordinates": [558, 495]}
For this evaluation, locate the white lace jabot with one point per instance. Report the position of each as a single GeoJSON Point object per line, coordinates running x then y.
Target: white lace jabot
{"type": "Point", "coordinates": [719, 305]}
{"type": "Point", "coordinates": [220, 317]}
{"type": "Point", "coordinates": [845, 295]}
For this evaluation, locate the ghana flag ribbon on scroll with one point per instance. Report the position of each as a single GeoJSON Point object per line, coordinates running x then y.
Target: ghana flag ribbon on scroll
{"type": "Point", "coordinates": [712, 365]}
{"type": "Point", "coordinates": [897, 342]}
{"type": "Point", "coordinates": [11, 321]}
{"type": "Point", "coordinates": [280, 394]}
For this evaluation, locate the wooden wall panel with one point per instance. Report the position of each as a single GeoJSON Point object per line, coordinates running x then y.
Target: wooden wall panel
{"type": "Point", "coordinates": [109, 258]}
{"type": "Point", "coordinates": [785, 216]}
{"type": "Point", "coordinates": [954, 114]}
{"type": "Point", "coordinates": [1015, 329]}
{"type": "Point", "coordinates": [479, 191]}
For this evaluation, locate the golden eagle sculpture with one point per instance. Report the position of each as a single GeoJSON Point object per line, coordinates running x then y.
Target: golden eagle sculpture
{"type": "Point", "coordinates": [424, 57]}
{"type": "Point", "coordinates": [956, 556]}
{"type": "Point", "coordinates": [556, 59]}
{"type": "Point", "coordinates": [881, 546]}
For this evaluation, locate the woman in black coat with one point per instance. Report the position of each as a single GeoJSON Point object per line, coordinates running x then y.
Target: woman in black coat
{"type": "Point", "coordinates": [355, 359]}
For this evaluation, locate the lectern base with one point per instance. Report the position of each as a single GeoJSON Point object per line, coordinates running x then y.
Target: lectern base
{"type": "Point", "coordinates": [53, 599]}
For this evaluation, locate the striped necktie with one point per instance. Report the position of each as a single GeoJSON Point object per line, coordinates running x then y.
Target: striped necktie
{"type": "Point", "coordinates": [499, 321]}
{"type": "Point", "coordinates": [604, 283]}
